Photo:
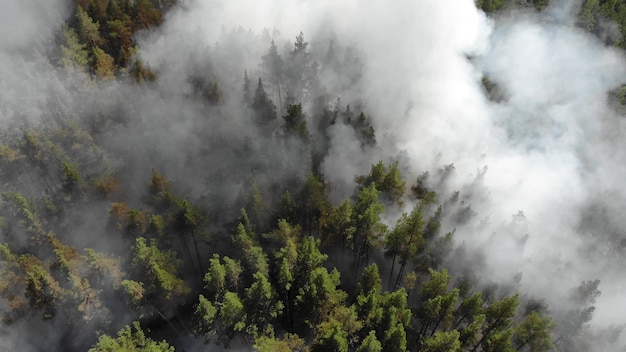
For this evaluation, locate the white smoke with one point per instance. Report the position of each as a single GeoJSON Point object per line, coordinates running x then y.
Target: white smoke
{"type": "Point", "coordinates": [553, 145]}
{"type": "Point", "coordinates": [546, 144]}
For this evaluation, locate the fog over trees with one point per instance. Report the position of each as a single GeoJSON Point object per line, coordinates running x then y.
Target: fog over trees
{"type": "Point", "coordinates": [254, 175]}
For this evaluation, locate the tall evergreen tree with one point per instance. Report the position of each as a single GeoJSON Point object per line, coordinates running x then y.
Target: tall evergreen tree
{"type": "Point", "coordinates": [264, 109]}
{"type": "Point", "coordinates": [368, 227]}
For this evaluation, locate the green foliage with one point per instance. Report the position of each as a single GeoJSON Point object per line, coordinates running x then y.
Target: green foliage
{"type": "Point", "coordinates": [393, 183]}
{"type": "Point", "coordinates": [73, 181]}
{"type": "Point", "coordinates": [301, 71]}
{"type": "Point", "coordinates": [135, 291]}
{"type": "Point", "coordinates": [330, 337]}
{"type": "Point", "coordinates": [103, 63]}
{"type": "Point", "coordinates": [232, 313]}
{"type": "Point", "coordinates": [76, 289]}
{"type": "Point", "coordinates": [264, 108]}
{"type": "Point", "coordinates": [88, 29]}
{"type": "Point", "coordinates": [370, 279]}
{"type": "Point", "coordinates": [204, 318]}
{"type": "Point", "coordinates": [215, 278]}
{"type": "Point", "coordinates": [258, 208]}
{"type": "Point", "coordinates": [42, 291]}
{"type": "Point", "coordinates": [286, 260]}
{"type": "Point", "coordinates": [318, 297]}
{"type": "Point", "coordinates": [233, 273]}
{"type": "Point", "coordinates": [159, 269]}
{"type": "Point", "coordinates": [406, 241]}
{"type": "Point", "coordinates": [395, 304]}
{"type": "Point", "coordinates": [361, 125]}
{"type": "Point", "coordinates": [348, 318]}
{"type": "Point", "coordinates": [105, 270]}
{"type": "Point", "coordinates": [500, 313]}
{"type": "Point", "coordinates": [186, 217]}
{"type": "Point", "coordinates": [471, 333]}
{"type": "Point", "coordinates": [388, 182]}
{"type": "Point", "coordinates": [208, 90]}
{"type": "Point", "coordinates": [498, 341]}
{"type": "Point", "coordinates": [395, 339]}
{"type": "Point", "coordinates": [295, 122]}
{"type": "Point", "coordinates": [146, 14]}
{"type": "Point", "coordinates": [160, 191]}
{"type": "Point", "coordinates": [339, 227]}
{"type": "Point", "coordinates": [490, 5]}
{"type": "Point", "coordinates": [278, 278]}
{"type": "Point", "coordinates": [421, 192]}
{"type": "Point", "coordinates": [137, 70]}
{"type": "Point", "coordinates": [437, 285]}
{"type": "Point", "coordinates": [286, 232]}
{"type": "Point", "coordinates": [369, 308]}
{"type": "Point", "coordinates": [262, 306]}
{"type": "Point", "coordinates": [254, 257]}
{"type": "Point", "coordinates": [137, 223]}
{"type": "Point", "coordinates": [469, 308]}
{"type": "Point", "coordinates": [534, 332]}
{"type": "Point", "coordinates": [440, 310]}
{"type": "Point", "coordinates": [130, 339]}
{"type": "Point", "coordinates": [443, 342]}
{"type": "Point", "coordinates": [368, 228]}
{"type": "Point", "coordinates": [370, 343]}
{"type": "Point", "coordinates": [290, 343]}
{"type": "Point", "coordinates": [156, 225]}
{"type": "Point", "coordinates": [256, 260]}
{"type": "Point", "coordinates": [24, 208]}
{"type": "Point", "coordinates": [74, 54]}
{"type": "Point", "coordinates": [11, 284]}
{"type": "Point", "coordinates": [497, 331]}
{"type": "Point", "coordinates": [273, 64]}
{"type": "Point", "coordinates": [315, 203]}
{"type": "Point", "coordinates": [287, 210]}
{"type": "Point", "coordinates": [309, 258]}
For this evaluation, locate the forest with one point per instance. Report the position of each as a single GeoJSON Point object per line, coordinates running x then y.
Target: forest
{"type": "Point", "coordinates": [158, 195]}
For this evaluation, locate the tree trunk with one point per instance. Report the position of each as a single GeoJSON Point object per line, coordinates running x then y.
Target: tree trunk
{"type": "Point", "coordinates": [393, 264]}
{"type": "Point", "coordinates": [195, 247]}
{"type": "Point", "coordinates": [400, 274]}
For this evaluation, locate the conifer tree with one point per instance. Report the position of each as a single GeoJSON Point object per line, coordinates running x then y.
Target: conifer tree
{"type": "Point", "coordinates": [74, 54]}
{"type": "Point", "coordinates": [130, 339]}
{"type": "Point", "coordinates": [368, 228]}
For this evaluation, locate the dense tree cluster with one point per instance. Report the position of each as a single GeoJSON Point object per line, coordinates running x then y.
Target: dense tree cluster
{"type": "Point", "coordinates": [99, 37]}
{"type": "Point", "coordinates": [274, 286]}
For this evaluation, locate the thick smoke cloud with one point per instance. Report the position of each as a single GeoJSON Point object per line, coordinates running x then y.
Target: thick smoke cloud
{"type": "Point", "coordinates": [27, 77]}
{"type": "Point", "coordinates": [555, 118]}
{"type": "Point", "coordinates": [552, 142]}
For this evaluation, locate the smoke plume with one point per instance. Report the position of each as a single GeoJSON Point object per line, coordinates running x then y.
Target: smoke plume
{"type": "Point", "coordinates": [539, 157]}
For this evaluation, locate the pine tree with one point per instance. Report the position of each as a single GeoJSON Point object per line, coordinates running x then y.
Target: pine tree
{"type": "Point", "coordinates": [261, 305]}
{"type": "Point", "coordinates": [273, 66]}
{"type": "Point", "coordinates": [370, 343]}
{"type": "Point", "coordinates": [130, 339]}
{"type": "Point", "coordinates": [368, 228]}
{"type": "Point", "coordinates": [104, 64]}
{"type": "Point", "coordinates": [74, 54]}
{"type": "Point", "coordinates": [247, 95]}
{"type": "Point", "coordinates": [264, 109]}
{"type": "Point", "coordinates": [443, 342]}
{"type": "Point", "coordinates": [204, 318]}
